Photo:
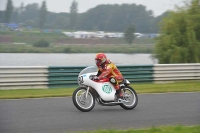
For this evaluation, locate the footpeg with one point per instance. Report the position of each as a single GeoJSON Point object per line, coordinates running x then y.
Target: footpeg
{"type": "Point", "coordinates": [122, 101]}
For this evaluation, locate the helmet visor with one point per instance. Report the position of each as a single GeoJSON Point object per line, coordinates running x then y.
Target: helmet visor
{"type": "Point", "coordinates": [98, 62]}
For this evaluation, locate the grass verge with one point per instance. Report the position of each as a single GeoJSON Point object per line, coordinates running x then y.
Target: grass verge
{"type": "Point", "coordinates": [162, 129]}
{"type": "Point", "coordinates": [79, 48]}
{"type": "Point", "coordinates": [188, 86]}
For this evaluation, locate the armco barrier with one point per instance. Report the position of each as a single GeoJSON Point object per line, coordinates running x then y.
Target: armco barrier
{"type": "Point", "coordinates": [138, 73]}
{"type": "Point", "coordinates": [173, 72]}
{"type": "Point", "coordinates": [23, 77]}
{"type": "Point", "coordinates": [63, 76]}
{"type": "Point", "coordinates": [44, 77]}
{"type": "Point", "coordinates": [67, 76]}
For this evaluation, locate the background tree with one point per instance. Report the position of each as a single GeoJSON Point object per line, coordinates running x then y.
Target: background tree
{"type": "Point", "coordinates": [31, 12]}
{"type": "Point", "coordinates": [1, 16]}
{"type": "Point", "coordinates": [117, 17]}
{"type": "Point", "coordinates": [73, 15]}
{"type": "Point", "coordinates": [8, 11]}
{"type": "Point", "coordinates": [31, 22]}
{"type": "Point", "coordinates": [15, 15]}
{"type": "Point", "coordinates": [180, 36]}
{"type": "Point", "coordinates": [109, 18]}
{"type": "Point", "coordinates": [129, 34]}
{"type": "Point", "coordinates": [21, 8]}
{"type": "Point", "coordinates": [61, 22]}
{"type": "Point", "coordinates": [42, 15]}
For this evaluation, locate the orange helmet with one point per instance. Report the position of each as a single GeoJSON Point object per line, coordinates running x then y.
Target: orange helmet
{"type": "Point", "coordinates": [100, 59]}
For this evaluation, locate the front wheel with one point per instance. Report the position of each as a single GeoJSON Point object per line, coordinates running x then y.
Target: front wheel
{"type": "Point", "coordinates": [82, 101]}
{"type": "Point", "coordinates": [130, 97]}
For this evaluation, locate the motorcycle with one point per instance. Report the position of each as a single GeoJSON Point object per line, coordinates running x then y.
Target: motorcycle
{"type": "Point", "coordinates": [102, 91]}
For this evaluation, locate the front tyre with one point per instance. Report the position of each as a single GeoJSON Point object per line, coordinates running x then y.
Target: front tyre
{"type": "Point", "coordinates": [130, 98]}
{"type": "Point", "coordinates": [82, 102]}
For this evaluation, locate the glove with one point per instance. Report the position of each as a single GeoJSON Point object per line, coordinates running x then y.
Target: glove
{"type": "Point", "coordinates": [95, 78]}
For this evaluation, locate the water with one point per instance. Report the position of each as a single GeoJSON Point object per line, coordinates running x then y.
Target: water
{"type": "Point", "coordinates": [38, 59]}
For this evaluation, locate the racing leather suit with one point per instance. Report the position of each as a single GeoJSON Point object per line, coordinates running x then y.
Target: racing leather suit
{"type": "Point", "coordinates": [109, 70]}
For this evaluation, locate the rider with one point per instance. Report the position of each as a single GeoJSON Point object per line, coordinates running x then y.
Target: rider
{"type": "Point", "coordinates": [107, 69]}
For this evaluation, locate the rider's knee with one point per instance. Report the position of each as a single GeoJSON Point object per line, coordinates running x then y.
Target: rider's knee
{"type": "Point", "coordinates": [113, 80]}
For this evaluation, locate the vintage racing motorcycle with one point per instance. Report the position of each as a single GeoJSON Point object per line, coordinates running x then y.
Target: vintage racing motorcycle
{"type": "Point", "coordinates": [102, 91]}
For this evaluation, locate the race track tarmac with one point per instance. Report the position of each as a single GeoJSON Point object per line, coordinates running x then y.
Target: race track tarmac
{"type": "Point", "coordinates": [56, 115]}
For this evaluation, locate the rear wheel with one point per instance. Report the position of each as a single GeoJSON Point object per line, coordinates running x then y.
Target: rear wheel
{"type": "Point", "coordinates": [81, 101]}
{"type": "Point", "coordinates": [130, 97]}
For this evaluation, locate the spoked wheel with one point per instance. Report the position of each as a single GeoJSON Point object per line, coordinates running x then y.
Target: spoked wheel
{"type": "Point", "coordinates": [83, 101]}
{"type": "Point", "coordinates": [130, 97]}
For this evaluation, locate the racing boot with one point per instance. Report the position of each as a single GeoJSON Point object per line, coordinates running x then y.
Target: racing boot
{"type": "Point", "coordinates": [118, 92]}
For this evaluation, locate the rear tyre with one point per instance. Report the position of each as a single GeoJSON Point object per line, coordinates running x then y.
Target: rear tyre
{"type": "Point", "coordinates": [131, 98]}
{"type": "Point", "coordinates": [82, 102]}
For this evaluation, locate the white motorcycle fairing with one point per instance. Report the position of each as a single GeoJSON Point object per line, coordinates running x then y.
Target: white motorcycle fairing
{"type": "Point", "coordinates": [104, 89]}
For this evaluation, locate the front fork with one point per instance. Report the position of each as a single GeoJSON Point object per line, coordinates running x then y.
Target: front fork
{"type": "Point", "coordinates": [122, 87]}
{"type": "Point", "coordinates": [88, 88]}
{"type": "Point", "coordinates": [83, 97]}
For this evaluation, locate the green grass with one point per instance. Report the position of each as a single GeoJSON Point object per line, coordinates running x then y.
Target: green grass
{"type": "Point", "coordinates": [58, 43]}
{"type": "Point", "coordinates": [161, 129]}
{"type": "Point", "coordinates": [27, 48]}
{"type": "Point", "coordinates": [31, 34]}
{"type": "Point", "coordinates": [189, 86]}
{"type": "Point", "coordinates": [30, 37]}
{"type": "Point", "coordinates": [186, 86]}
{"type": "Point", "coordinates": [35, 93]}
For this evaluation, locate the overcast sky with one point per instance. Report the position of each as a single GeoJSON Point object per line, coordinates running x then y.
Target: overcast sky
{"type": "Point", "coordinates": [157, 6]}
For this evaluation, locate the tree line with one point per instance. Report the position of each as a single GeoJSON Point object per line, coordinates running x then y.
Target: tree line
{"type": "Point", "coordinates": [180, 35]}
{"type": "Point", "coordinates": [102, 17]}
